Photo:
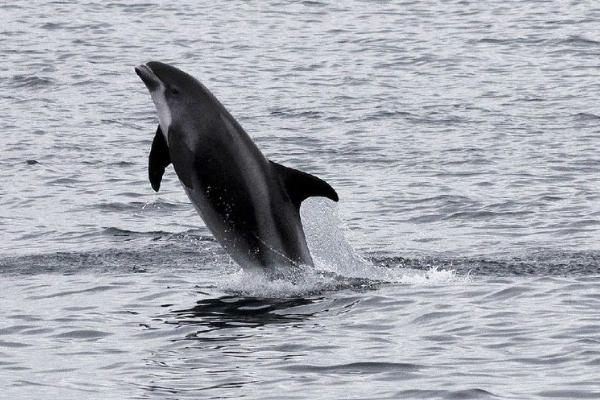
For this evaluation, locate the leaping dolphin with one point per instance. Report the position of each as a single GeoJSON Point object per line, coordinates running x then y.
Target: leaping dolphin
{"type": "Point", "coordinates": [250, 204]}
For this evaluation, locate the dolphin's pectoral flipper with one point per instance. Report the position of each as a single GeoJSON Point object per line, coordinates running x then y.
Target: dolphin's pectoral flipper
{"type": "Point", "coordinates": [158, 160]}
{"type": "Point", "coordinates": [300, 185]}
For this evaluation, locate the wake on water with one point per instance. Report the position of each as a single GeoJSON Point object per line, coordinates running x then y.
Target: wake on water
{"type": "Point", "coordinates": [316, 281]}
{"type": "Point", "coordinates": [337, 265]}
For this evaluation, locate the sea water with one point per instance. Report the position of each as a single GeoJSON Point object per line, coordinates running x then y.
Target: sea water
{"type": "Point", "coordinates": [462, 261]}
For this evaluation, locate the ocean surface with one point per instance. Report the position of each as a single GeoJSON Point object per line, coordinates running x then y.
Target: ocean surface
{"type": "Point", "coordinates": [462, 261]}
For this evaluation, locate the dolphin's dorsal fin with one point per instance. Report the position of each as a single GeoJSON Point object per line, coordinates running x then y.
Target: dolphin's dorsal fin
{"type": "Point", "coordinates": [158, 160]}
{"type": "Point", "coordinates": [300, 185]}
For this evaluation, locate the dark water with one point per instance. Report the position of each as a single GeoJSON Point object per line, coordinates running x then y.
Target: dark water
{"type": "Point", "coordinates": [462, 262]}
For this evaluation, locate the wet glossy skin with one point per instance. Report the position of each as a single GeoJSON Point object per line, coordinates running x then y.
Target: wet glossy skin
{"type": "Point", "coordinates": [233, 186]}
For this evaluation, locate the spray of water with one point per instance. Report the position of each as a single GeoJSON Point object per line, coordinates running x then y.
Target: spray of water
{"type": "Point", "coordinates": [337, 265]}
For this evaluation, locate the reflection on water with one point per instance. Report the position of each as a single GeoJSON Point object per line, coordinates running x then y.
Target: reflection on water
{"type": "Point", "coordinates": [459, 134]}
{"type": "Point", "coordinates": [238, 311]}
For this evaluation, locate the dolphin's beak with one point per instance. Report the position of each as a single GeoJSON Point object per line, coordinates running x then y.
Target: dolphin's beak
{"type": "Point", "coordinates": [148, 76]}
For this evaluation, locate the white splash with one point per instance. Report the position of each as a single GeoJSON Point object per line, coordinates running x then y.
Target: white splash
{"type": "Point", "coordinates": [337, 265]}
{"type": "Point", "coordinates": [256, 283]}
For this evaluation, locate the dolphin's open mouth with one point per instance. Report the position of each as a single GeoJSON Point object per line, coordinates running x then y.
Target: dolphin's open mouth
{"type": "Point", "coordinates": [150, 79]}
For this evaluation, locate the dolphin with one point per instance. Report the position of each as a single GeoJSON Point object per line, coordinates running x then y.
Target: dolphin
{"type": "Point", "coordinates": [250, 204]}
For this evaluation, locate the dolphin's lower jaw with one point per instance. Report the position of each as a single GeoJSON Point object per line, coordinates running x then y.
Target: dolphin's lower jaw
{"type": "Point", "coordinates": [147, 76]}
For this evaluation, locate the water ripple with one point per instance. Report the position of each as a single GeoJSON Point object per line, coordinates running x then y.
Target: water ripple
{"type": "Point", "coordinates": [461, 137]}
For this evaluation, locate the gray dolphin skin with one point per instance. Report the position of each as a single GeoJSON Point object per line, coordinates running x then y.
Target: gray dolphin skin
{"type": "Point", "coordinates": [250, 204]}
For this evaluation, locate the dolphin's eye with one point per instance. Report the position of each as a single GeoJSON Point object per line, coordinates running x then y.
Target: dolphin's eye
{"type": "Point", "coordinates": [174, 91]}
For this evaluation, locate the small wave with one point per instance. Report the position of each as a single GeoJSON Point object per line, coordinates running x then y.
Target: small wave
{"type": "Point", "coordinates": [432, 120]}
{"type": "Point", "coordinates": [292, 113]}
{"type": "Point", "coordinates": [30, 81]}
{"type": "Point", "coordinates": [443, 199]}
{"type": "Point", "coordinates": [51, 26]}
{"type": "Point", "coordinates": [112, 231]}
{"type": "Point", "coordinates": [586, 116]}
{"type": "Point", "coordinates": [540, 263]}
{"type": "Point", "coordinates": [83, 334]}
{"type": "Point", "coordinates": [166, 252]}
{"type": "Point", "coordinates": [388, 114]}
{"type": "Point", "coordinates": [580, 41]}
{"type": "Point", "coordinates": [63, 182]}
{"type": "Point", "coordinates": [360, 368]}
{"type": "Point", "coordinates": [190, 234]}
{"type": "Point", "coordinates": [512, 41]}
{"type": "Point", "coordinates": [122, 164]}
{"type": "Point", "coordinates": [531, 99]}
{"type": "Point", "coordinates": [508, 293]}
{"type": "Point", "coordinates": [483, 214]}
{"type": "Point", "coordinates": [138, 206]}
{"type": "Point", "coordinates": [475, 394]}
{"type": "Point", "coordinates": [313, 3]}
{"type": "Point", "coordinates": [12, 344]}
{"type": "Point", "coordinates": [94, 289]}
